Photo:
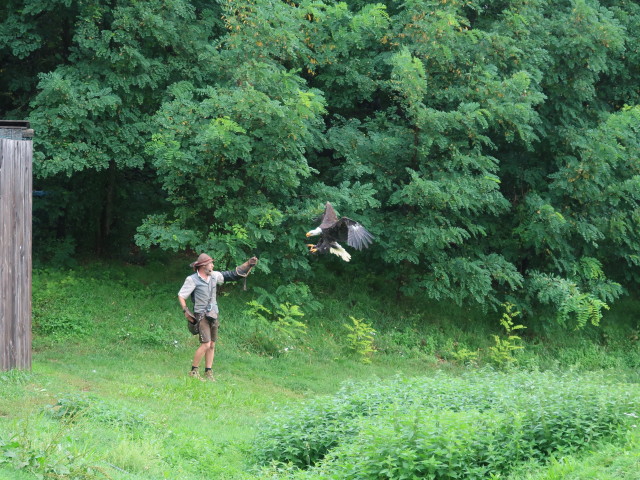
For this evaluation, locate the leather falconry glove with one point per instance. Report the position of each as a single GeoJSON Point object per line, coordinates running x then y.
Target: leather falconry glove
{"type": "Point", "coordinates": [244, 269]}
{"type": "Point", "coordinates": [240, 271]}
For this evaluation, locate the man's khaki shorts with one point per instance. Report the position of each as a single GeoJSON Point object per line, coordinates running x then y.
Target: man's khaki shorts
{"type": "Point", "coordinates": [209, 329]}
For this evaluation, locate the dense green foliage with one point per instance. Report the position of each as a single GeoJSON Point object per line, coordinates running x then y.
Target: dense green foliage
{"type": "Point", "coordinates": [609, 462]}
{"type": "Point", "coordinates": [473, 426]}
{"type": "Point", "coordinates": [491, 147]}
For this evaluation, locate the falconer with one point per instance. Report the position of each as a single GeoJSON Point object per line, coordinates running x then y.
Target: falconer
{"type": "Point", "coordinates": [201, 287]}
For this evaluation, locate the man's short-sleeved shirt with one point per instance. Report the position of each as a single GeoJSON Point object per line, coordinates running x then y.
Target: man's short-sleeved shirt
{"type": "Point", "coordinates": [203, 290]}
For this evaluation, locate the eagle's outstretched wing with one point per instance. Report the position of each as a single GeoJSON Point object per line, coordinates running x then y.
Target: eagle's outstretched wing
{"type": "Point", "coordinates": [353, 233]}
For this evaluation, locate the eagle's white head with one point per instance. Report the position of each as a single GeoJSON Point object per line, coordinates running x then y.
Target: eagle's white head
{"type": "Point", "coordinates": [314, 232]}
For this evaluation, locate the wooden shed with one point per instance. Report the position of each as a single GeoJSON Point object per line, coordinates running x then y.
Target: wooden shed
{"type": "Point", "coordinates": [16, 153]}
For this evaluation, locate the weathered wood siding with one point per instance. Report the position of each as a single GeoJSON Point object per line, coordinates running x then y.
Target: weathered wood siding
{"type": "Point", "coordinates": [15, 253]}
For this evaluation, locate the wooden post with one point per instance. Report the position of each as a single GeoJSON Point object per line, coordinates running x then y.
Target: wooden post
{"type": "Point", "coordinates": [16, 153]}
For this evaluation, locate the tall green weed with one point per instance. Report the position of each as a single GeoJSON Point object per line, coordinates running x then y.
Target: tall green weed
{"type": "Point", "coordinates": [502, 353]}
{"type": "Point", "coordinates": [360, 338]}
{"type": "Point", "coordinates": [54, 454]}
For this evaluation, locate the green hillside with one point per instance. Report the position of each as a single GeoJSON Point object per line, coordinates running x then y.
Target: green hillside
{"type": "Point", "coordinates": [108, 395]}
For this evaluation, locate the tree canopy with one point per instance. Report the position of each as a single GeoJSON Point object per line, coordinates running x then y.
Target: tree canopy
{"type": "Point", "coordinates": [491, 147]}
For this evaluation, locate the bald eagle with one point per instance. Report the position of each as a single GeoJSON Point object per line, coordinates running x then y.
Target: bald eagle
{"type": "Point", "coordinates": [332, 229]}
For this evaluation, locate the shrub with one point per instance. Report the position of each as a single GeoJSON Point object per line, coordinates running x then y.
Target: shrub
{"type": "Point", "coordinates": [297, 293]}
{"type": "Point", "coordinates": [469, 444]}
{"type": "Point", "coordinates": [305, 436]}
{"type": "Point", "coordinates": [443, 427]}
{"type": "Point", "coordinates": [272, 331]}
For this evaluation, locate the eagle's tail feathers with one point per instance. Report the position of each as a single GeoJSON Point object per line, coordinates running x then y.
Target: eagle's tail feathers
{"type": "Point", "coordinates": [337, 249]}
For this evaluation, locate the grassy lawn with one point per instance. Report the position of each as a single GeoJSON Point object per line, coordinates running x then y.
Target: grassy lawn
{"type": "Point", "coordinates": [138, 410]}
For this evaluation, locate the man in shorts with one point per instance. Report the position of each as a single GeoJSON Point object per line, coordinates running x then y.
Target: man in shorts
{"type": "Point", "coordinates": [201, 287]}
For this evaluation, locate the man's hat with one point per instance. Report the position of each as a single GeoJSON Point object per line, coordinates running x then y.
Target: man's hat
{"type": "Point", "coordinates": [203, 259]}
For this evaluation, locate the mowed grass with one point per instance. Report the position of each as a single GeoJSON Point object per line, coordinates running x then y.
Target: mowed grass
{"type": "Point", "coordinates": [108, 396]}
